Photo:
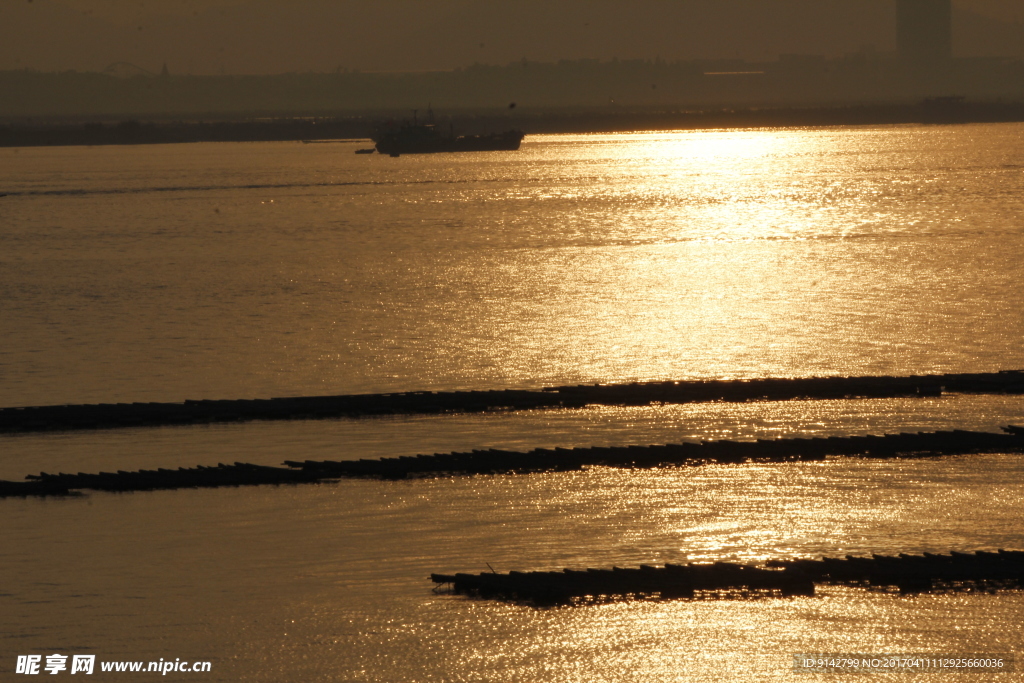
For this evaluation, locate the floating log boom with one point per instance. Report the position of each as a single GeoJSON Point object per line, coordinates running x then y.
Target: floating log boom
{"type": "Point", "coordinates": [956, 572]}
{"type": "Point", "coordinates": [116, 415]}
{"type": "Point", "coordinates": [238, 474]}
{"type": "Point", "coordinates": [925, 444]}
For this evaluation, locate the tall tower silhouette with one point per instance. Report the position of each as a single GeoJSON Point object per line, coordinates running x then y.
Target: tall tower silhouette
{"type": "Point", "coordinates": [924, 30]}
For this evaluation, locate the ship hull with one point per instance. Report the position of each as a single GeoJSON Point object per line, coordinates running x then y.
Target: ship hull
{"type": "Point", "coordinates": [402, 142]}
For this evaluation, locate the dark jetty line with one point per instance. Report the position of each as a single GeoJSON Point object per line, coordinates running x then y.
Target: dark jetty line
{"type": "Point", "coordinates": [113, 415]}
{"type": "Point", "coordinates": [917, 573]}
{"type": "Point", "coordinates": [980, 571]}
{"type": "Point", "coordinates": [670, 581]}
{"type": "Point", "coordinates": [36, 487]}
{"type": "Point", "coordinates": [238, 474]}
{"type": "Point", "coordinates": [923, 444]}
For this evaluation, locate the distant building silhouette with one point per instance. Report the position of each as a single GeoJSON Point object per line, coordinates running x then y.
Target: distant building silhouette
{"type": "Point", "coordinates": [924, 30]}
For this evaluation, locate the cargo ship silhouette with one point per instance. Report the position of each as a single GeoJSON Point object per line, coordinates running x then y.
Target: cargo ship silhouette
{"type": "Point", "coordinates": [425, 138]}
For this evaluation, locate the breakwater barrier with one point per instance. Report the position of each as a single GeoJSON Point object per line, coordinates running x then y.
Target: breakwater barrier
{"type": "Point", "coordinates": [238, 474]}
{"type": "Point", "coordinates": [493, 461]}
{"type": "Point", "coordinates": [117, 415]}
{"type": "Point", "coordinates": [980, 571]}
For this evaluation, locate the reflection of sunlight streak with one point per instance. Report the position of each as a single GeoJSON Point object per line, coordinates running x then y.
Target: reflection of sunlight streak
{"type": "Point", "coordinates": [718, 145]}
{"type": "Point", "coordinates": [667, 255]}
{"type": "Point", "coordinates": [719, 185]}
{"type": "Point", "coordinates": [721, 253]}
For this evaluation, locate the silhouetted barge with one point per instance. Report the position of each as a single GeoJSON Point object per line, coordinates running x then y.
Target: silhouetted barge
{"type": "Point", "coordinates": [425, 138]}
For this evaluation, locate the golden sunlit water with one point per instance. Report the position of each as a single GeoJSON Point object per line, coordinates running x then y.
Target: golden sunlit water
{"type": "Point", "coordinates": [160, 273]}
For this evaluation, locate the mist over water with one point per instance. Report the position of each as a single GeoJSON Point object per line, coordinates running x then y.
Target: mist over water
{"type": "Point", "coordinates": [259, 270]}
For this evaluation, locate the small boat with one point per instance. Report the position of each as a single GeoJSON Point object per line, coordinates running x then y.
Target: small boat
{"type": "Point", "coordinates": [425, 138]}
{"type": "Point", "coordinates": [368, 150]}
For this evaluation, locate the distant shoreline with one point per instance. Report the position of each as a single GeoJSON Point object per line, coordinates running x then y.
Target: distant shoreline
{"type": "Point", "coordinates": [360, 128]}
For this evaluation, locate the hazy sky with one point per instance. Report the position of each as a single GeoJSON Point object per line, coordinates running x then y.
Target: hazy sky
{"type": "Point", "coordinates": [274, 36]}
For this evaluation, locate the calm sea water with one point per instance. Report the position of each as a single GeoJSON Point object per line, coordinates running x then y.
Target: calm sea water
{"type": "Point", "coordinates": [257, 270]}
